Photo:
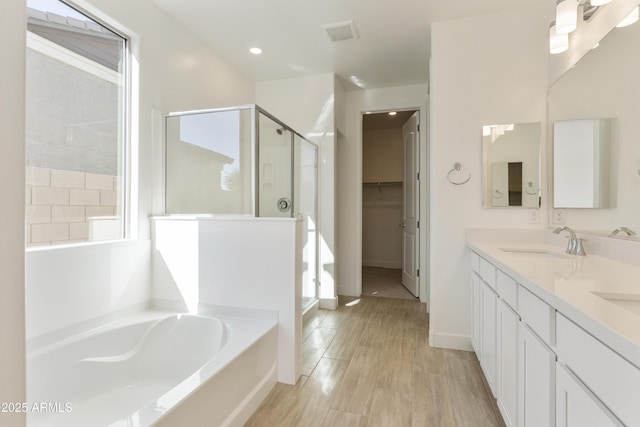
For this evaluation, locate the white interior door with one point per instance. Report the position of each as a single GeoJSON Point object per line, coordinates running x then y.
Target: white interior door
{"type": "Point", "coordinates": [410, 244]}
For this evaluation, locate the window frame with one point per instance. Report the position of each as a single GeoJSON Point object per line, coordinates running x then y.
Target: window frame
{"type": "Point", "coordinates": [128, 231]}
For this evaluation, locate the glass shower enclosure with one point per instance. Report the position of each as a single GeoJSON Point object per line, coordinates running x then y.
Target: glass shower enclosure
{"type": "Point", "coordinates": [243, 161]}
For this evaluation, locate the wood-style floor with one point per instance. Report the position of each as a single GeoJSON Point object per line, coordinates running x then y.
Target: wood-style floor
{"type": "Point", "coordinates": [368, 364]}
{"type": "Point", "coordinates": [384, 282]}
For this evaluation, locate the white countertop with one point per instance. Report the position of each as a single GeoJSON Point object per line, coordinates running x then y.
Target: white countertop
{"type": "Point", "coordinates": [571, 283]}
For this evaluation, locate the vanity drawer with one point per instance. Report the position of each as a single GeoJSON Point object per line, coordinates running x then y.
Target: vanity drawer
{"type": "Point", "coordinates": [488, 273]}
{"type": "Point", "coordinates": [507, 289]}
{"type": "Point", "coordinates": [475, 262]}
{"type": "Point", "coordinates": [614, 380]}
{"type": "Point", "coordinates": [536, 313]}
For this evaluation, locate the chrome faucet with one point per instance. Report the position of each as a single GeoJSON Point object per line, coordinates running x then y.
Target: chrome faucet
{"type": "Point", "coordinates": [627, 230]}
{"type": "Point", "coordinates": [574, 247]}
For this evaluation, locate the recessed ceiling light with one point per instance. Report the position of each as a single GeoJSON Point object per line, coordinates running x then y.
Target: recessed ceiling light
{"type": "Point", "coordinates": [255, 50]}
{"type": "Point", "coordinates": [392, 113]}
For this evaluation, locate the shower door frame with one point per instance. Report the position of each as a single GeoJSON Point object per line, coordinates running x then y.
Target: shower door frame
{"type": "Point", "coordinates": [256, 111]}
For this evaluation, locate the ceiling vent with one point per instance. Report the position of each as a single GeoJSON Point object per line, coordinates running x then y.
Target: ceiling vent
{"type": "Point", "coordinates": [341, 31]}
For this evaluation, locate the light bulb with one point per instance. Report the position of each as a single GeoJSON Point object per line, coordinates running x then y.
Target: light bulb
{"type": "Point", "coordinates": [566, 16]}
{"type": "Point", "coordinates": [558, 43]}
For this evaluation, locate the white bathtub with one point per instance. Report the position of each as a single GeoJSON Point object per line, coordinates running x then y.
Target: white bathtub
{"type": "Point", "coordinates": [154, 368]}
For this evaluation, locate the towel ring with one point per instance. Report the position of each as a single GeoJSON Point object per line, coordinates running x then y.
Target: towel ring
{"type": "Point", "coordinates": [498, 194]}
{"type": "Point", "coordinates": [456, 168]}
{"type": "Point", "coordinates": [530, 186]}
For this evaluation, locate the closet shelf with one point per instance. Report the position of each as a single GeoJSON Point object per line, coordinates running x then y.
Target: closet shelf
{"type": "Point", "coordinates": [381, 204]}
{"type": "Point", "coordinates": [384, 183]}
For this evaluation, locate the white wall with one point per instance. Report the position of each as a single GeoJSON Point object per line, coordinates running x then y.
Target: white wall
{"type": "Point", "coordinates": [382, 208]}
{"type": "Point", "coordinates": [349, 189]}
{"type": "Point", "coordinates": [172, 71]}
{"type": "Point", "coordinates": [235, 262]}
{"type": "Point", "coordinates": [383, 155]}
{"type": "Point", "coordinates": [308, 105]}
{"type": "Point", "coordinates": [72, 284]}
{"type": "Point", "coordinates": [484, 70]}
{"type": "Point", "coordinates": [12, 194]}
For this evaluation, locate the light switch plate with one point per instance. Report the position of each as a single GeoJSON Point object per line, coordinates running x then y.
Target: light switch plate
{"type": "Point", "coordinates": [534, 216]}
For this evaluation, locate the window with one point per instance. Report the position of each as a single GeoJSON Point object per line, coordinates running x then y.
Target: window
{"type": "Point", "coordinates": [75, 127]}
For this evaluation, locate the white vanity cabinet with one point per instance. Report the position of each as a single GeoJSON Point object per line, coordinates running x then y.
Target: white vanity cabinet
{"type": "Point", "coordinates": [536, 380]}
{"type": "Point", "coordinates": [562, 357]}
{"type": "Point", "coordinates": [488, 334]}
{"type": "Point", "coordinates": [610, 383]}
{"type": "Point", "coordinates": [484, 316]}
{"type": "Point", "coordinates": [576, 406]}
{"type": "Point", "coordinates": [513, 347]}
{"type": "Point", "coordinates": [536, 361]}
{"type": "Point", "coordinates": [507, 378]}
{"type": "Point", "coordinates": [475, 313]}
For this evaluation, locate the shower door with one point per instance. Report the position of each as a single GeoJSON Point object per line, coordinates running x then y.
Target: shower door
{"type": "Point", "coordinates": [274, 168]}
{"type": "Point", "coordinates": [305, 196]}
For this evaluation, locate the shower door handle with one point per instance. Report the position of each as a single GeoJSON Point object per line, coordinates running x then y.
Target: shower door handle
{"type": "Point", "coordinates": [284, 204]}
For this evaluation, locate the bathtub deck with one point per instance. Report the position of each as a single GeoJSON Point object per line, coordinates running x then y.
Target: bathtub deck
{"type": "Point", "coordinates": [147, 369]}
{"type": "Point", "coordinates": [369, 364]}
{"type": "Point", "coordinates": [103, 408]}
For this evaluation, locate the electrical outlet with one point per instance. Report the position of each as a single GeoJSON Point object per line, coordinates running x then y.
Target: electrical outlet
{"type": "Point", "coordinates": [558, 216]}
{"type": "Point", "coordinates": [534, 216]}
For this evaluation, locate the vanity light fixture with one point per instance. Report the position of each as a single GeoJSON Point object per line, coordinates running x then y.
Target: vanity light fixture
{"type": "Point", "coordinates": [255, 50]}
{"type": "Point", "coordinates": [566, 16]}
{"type": "Point", "coordinates": [558, 43]}
{"type": "Point", "coordinates": [630, 19]}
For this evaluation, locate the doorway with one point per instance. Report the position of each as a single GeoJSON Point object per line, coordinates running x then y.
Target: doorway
{"type": "Point", "coordinates": [390, 247]}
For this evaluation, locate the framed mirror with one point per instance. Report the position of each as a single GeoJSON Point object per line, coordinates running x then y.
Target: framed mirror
{"type": "Point", "coordinates": [600, 99]}
{"type": "Point", "coordinates": [511, 165]}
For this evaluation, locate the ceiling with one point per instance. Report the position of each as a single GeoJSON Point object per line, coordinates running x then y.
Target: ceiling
{"type": "Point", "coordinates": [393, 47]}
{"type": "Point", "coordinates": [383, 121]}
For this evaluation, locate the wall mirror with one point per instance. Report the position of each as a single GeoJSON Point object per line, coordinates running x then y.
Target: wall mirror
{"type": "Point", "coordinates": [599, 98]}
{"type": "Point", "coordinates": [511, 165]}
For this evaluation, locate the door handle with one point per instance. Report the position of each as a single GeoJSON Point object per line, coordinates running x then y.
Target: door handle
{"type": "Point", "coordinates": [284, 204]}
{"type": "Point", "coordinates": [402, 225]}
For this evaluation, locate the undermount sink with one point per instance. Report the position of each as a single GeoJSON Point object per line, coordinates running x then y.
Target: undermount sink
{"type": "Point", "coordinates": [531, 253]}
{"type": "Point", "coordinates": [630, 302]}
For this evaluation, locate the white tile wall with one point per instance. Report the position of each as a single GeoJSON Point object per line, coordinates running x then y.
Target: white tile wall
{"type": "Point", "coordinates": [60, 203]}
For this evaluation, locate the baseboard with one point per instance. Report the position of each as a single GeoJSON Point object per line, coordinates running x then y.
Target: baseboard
{"type": "Point", "coordinates": [329, 303]}
{"type": "Point", "coordinates": [310, 310]}
{"type": "Point", "coordinates": [450, 341]}
{"type": "Point", "coordinates": [382, 264]}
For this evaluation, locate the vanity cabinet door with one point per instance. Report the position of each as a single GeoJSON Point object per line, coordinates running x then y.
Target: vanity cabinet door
{"type": "Point", "coordinates": [488, 335]}
{"type": "Point", "coordinates": [507, 377]}
{"type": "Point", "coordinates": [576, 406]}
{"type": "Point", "coordinates": [475, 312]}
{"type": "Point", "coordinates": [536, 380]}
